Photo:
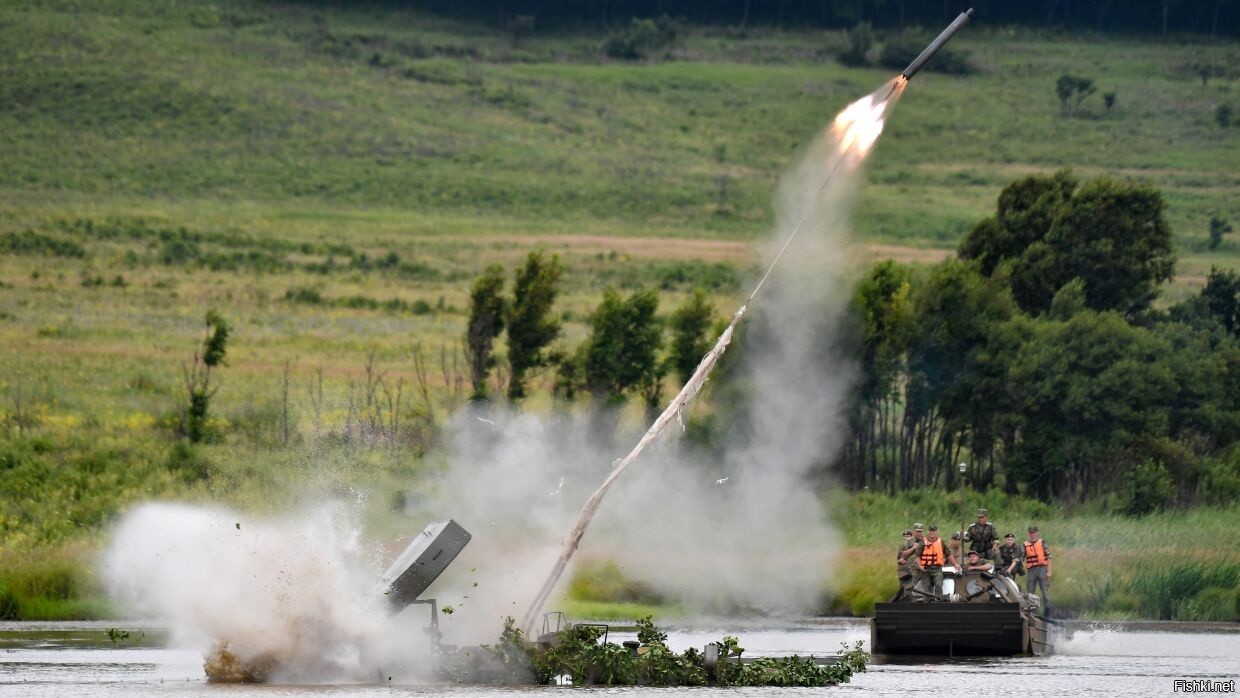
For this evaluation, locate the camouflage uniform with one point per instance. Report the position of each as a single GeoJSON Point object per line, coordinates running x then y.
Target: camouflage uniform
{"type": "Point", "coordinates": [982, 538]}
{"type": "Point", "coordinates": [1009, 554]}
{"type": "Point", "coordinates": [914, 571]}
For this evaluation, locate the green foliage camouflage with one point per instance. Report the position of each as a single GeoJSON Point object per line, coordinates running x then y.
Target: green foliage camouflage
{"type": "Point", "coordinates": [578, 654]}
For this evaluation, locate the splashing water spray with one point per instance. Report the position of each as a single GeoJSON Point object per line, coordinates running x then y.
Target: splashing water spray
{"type": "Point", "coordinates": [852, 134]}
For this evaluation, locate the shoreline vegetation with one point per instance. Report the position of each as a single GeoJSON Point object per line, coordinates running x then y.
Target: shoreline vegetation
{"type": "Point", "coordinates": [332, 180]}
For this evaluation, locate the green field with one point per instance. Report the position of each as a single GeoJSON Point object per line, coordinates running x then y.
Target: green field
{"type": "Point", "coordinates": [331, 180]}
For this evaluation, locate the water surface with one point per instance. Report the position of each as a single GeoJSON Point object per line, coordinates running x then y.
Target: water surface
{"type": "Point", "coordinates": [79, 659]}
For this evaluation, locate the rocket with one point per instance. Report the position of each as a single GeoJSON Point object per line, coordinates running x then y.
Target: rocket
{"type": "Point", "coordinates": [937, 44]}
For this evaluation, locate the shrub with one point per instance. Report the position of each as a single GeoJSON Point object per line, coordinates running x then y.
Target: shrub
{"type": "Point", "coordinates": [1072, 92]}
{"type": "Point", "coordinates": [1148, 488]}
{"type": "Point", "coordinates": [899, 51]}
{"type": "Point", "coordinates": [1222, 115]}
{"type": "Point", "coordinates": [1218, 228]}
{"type": "Point", "coordinates": [859, 41]}
{"type": "Point", "coordinates": [641, 37]}
{"type": "Point", "coordinates": [304, 294]}
{"type": "Point", "coordinates": [28, 242]}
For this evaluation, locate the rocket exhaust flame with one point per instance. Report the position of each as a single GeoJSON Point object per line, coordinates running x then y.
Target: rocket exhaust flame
{"type": "Point", "coordinates": [853, 133]}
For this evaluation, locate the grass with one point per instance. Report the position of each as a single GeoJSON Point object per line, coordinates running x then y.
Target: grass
{"type": "Point", "coordinates": [332, 178]}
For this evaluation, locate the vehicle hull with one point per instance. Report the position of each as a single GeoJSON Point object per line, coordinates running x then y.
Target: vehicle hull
{"type": "Point", "coordinates": [956, 630]}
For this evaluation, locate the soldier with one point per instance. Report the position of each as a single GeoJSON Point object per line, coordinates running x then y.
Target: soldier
{"type": "Point", "coordinates": [977, 563]}
{"type": "Point", "coordinates": [903, 565]}
{"type": "Point", "coordinates": [1038, 564]}
{"type": "Point", "coordinates": [982, 535]}
{"type": "Point", "coordinates": [912, 553]}
{"type": "Point", "coordinates": [933, 556]}
{"type": "Point", "coordinates": [1011, 557]}
{"type": "Point", "coordinates": [956, 552]}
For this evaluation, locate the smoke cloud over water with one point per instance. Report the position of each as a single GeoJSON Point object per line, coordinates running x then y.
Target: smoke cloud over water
{"type": "Point", "coordinates": [293, 595]}
{"type": "Point", "coordinates": [747, 529]}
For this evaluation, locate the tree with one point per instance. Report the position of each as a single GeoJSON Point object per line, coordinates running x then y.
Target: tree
{"type": "Point", "coordinates": [1092, 391]}
{"type": "Point", "coordinates": [621, 352]}
{"type": "Point", "coordinates": [1110, 234]}
{"type": "Point", "coordinates": [955, 372]}
{"type": "Point", "coordinates": [1072, 92]}
{"type": "Point", "coordinates": [487, 308]}
{"type": "Point", "coordinates": [1218, 304]}
{"type": "Point", "coordinates": [1222, 115]}
{"type": "Point", "coordinates": [531, 326]}
{"type": "Point", "coordinates": [883, 307]}
{"type": "Point", "coordinates": [1026, 209]}
{"type": "Point", "coordinates": [1221, 297]}
{"type": "Point", "coordinates": [690, 324]}
{"type": "Point", "coordinates": [197, 374]}
{"type": "Point", "coordinates": [1114, 235]}
{"type": "Point", "coordinates": [860, 40]}
{"type": "Point", "coordinates": [1218, 228]}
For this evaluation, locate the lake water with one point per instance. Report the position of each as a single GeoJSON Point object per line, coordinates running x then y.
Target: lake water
{"type": "Point", "coordinates": [78, 659]}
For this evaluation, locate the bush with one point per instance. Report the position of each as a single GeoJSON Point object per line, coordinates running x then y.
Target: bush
{"type": "Point", "coordinates": [1072, 92]}
{"type": "Point", "coordinates": [1222, 115]}
{"type": "Point", "coordinates": [859, 40]}
{"type": "Point", "coordinates": [29, 242]}
{"type": "Point", "coordinates": [899, 51]}
{"type": "Point", "coordinates": [1147, 489]}
{"type": "Point", "coordinates": [642, 37]}
{"type": "Point", "coordinates": [304, 294]}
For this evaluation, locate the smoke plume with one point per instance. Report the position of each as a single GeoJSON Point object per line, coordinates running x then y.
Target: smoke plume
{"type": "Point", "coordinates": [743, 530]}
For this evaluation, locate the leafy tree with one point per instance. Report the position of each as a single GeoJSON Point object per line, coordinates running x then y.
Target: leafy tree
{"type": "Point", "coordinates": [690, 325]}
{"type": "Point", "coordinates": [531, 326]}
{"type": "Point", "coordinates": [1113, 235]}
{"type": "Point", "coordinates": [1068, 301]}
{"type": "Point", "coordinates": [955, 373]}
{"type": "Point", "coordinates": [487, 308]}
{"type": "Point", "coordinates": [1222, 298]}
{"type": "Point", "coordinates": [883, 307]}
{"type": "Point", "coordinates": [197, 374]}
{"type": "Point", "coordinates": [621, 352]}
{"type": "Point", "coordinates": [1091, 390]}
{"type": "Point", "coordinates": [1218, 228]}
{"type": "Point", "coordinates": [1072, 92]}
{"type": "Point", "coordinates": [1218, 303]}
{"type": "Point", "coordinates": [1026, 209]}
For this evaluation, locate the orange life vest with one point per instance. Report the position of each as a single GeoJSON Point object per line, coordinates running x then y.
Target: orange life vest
{"type": "Point", "coordinates": [932, 554]}
{"type": "Point", "coordinates": [1035, 554]}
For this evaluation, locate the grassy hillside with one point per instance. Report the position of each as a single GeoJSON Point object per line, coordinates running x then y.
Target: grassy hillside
{"type": "Point", "coordinates": [331, 179]}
